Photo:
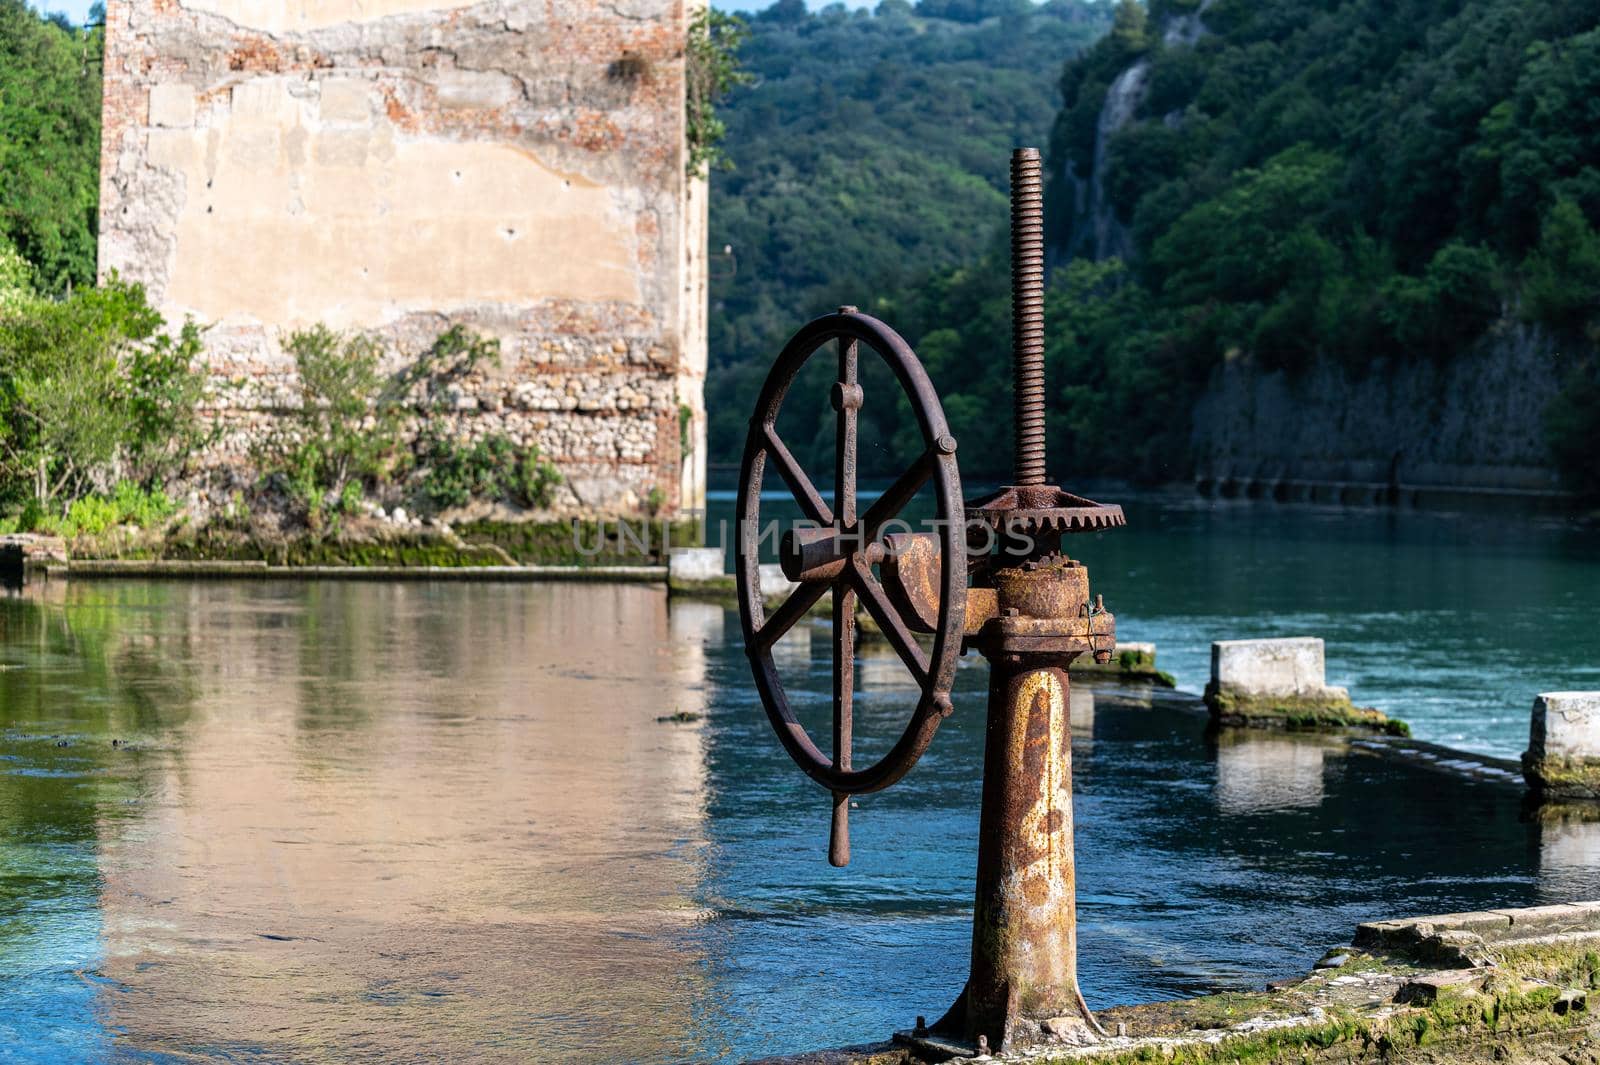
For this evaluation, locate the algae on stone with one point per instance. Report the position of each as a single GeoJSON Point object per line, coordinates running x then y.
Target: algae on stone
{"type": "Point", "coordinates": [1333, 712]}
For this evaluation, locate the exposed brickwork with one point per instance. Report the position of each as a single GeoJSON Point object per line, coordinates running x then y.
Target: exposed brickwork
{"type": "Point", "coordinates": [517, 167]}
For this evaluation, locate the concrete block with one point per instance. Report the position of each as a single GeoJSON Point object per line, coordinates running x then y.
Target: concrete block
{"type": "Point", "coordinates": [687, 564]}
{"type": "Point", "coordinates": [1563, 756]}
{"type": "Point", "coordinates": [773, 582]}
{"type": "Point", "coordinates": [1565, 725]}
{"type": "Point", "coordinates": [346, 100]}
{"type": "Point", "coordinates": [172, 105]}
{"type": "Point", "coordinates": [1427, 989]}
{"type": "Point", "coordinates": [1284, 666]}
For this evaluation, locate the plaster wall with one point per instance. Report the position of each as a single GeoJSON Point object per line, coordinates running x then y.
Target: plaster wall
{"type": "Point", "coordinates": [396, 166]}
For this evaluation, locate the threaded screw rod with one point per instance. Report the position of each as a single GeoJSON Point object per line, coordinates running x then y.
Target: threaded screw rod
{"type": "Point", "coordinates": [1027, 314]}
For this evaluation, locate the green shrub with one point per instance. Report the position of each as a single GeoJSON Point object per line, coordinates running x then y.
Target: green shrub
{"type": "Point", "coordinates": [143, 507]}
{"type": "Point", "coordinates": [350, 432]}
{"type": "Point", "coordinates": [346, 430]}
{"type": "Point", "coordinates": [711, 72]}
{"type": "Point", "coordinates": [491, 467]}
{"type": "Point", "coordinates": [91, 515]}
{"type": "Point", "coordinates": [94, 390]}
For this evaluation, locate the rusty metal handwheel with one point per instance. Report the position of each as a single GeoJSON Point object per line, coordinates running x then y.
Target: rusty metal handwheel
{"type": "Point", "coordinates": [841, 555]}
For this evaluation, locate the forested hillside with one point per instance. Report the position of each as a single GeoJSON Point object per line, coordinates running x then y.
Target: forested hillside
{"type": "Point", "coordinates": [869, 154]}
{"type": "Point", "coordinates": [1349, 179]}
{"type": "Point", "coordinates": [1298, 180]}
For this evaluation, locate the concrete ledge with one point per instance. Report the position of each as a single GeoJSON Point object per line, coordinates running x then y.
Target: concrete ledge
{"type": "Point", "coordinates": [1130, 661]}
{"type": "Point", "coordinates": [1384, 1001]}
{"type": "Point", "coordinates": [224, 570]}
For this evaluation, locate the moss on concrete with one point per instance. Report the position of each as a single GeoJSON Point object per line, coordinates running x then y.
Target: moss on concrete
{"type": "Point", "coordinates": [1509, 1020]}
{"type": "Point", "coordinates": [1126, 664]}
{"type": "Point", "coordinates": [1563, 778]}
{"type": "Point", "coordinates": [482, 543]}
{"type": "Point", "coordinates": [1299, 713]}
{"type": "Point", "coordinates": [583, 543]}
{"type": "Point", "coordinates": [722, 589]}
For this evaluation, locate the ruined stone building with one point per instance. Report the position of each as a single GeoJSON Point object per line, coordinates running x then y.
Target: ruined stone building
{"type": "Point", "coordinates": [399, 165]}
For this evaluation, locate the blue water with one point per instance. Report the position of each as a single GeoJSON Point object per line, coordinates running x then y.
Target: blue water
{"type": "Point", "coordinates": [1452, 620]}
{"type": "Point", "coordinates": [297, 821]}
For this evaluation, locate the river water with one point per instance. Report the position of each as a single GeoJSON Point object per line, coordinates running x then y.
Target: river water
{"type": "Point", "coordinates": [373, 822]}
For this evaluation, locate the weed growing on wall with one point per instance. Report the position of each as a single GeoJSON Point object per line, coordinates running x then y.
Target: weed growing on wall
{"type": "Point", "coordinates": [713, 70]}
{"type": "Point", "coordinates": [360, 431]}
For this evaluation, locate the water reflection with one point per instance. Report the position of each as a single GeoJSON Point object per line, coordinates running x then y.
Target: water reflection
{"type": "Point", "coordinates": [1258, 772]}
{"type": "Point", "coordinates": [369, 818]}
{"type": "Point", "coordinates": [1569, 848]}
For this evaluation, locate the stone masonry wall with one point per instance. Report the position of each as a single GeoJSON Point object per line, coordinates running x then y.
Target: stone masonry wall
{"type": "Point", "coordinates": [396, 166]}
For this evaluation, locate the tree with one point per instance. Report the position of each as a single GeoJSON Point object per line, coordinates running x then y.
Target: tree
{"type": "Point", "coordinates": [49, 145]}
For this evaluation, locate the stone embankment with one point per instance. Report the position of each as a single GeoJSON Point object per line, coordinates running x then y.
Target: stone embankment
{"type": "Point", "coordinates": [1495, 986]}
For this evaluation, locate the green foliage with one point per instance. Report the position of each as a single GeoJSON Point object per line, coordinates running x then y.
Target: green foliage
{"type": "Point", "coordinates": [94, 390]}
{"type": "Point", "coordinates": [16, 279]}
{"type": "Point", "coordinates": [1561, 285]}
{"type": "Point", "coordinates": [1352, 179]}
{"type": "Point", "coordinates": [127, 504]}
{"type": "Point", "coordinates": [49, 145]}
{"type": "Point", "coordinates": [712, 70]}
{"type": "Point", "coordinates": [359, 429]}
{"type": "Point", "coordinates": [872, 155]}
{"type": "Point", "coordinates": [346, 429]}
{"type": "Point", "coordinates": [491, 467]}
{"type": "Point", "coordinates": [454, 355]}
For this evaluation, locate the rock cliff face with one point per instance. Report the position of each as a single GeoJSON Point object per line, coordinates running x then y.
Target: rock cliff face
{"type": "Point", "coordinates": [1474, 423]}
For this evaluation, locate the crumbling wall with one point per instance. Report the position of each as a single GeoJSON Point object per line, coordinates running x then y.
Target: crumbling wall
{"type": "Point", "coordinates": [400, 165]}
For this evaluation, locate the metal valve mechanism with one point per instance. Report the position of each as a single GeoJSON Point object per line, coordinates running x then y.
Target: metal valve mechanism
{"type": "Point", "coordinates": [991, 578]}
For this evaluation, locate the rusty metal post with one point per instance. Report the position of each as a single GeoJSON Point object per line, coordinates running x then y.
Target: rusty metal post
{"type": "Point", "coordinates": [1023, 987]}
{"type": "Point", "coordinates": [1027, 610]}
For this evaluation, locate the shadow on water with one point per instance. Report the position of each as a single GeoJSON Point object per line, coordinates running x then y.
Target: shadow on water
{"type": "Point", "coordinates": [375, 821]}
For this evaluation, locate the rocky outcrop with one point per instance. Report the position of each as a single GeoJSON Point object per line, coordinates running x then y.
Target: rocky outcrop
{"type": "Point", "coordinates": [1475, 422]}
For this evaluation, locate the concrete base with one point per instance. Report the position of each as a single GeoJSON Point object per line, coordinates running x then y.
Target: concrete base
{"type": "Point", "coordinates": [1279, 683]}
{"type": "Point", "coordinates": [1563, 756]}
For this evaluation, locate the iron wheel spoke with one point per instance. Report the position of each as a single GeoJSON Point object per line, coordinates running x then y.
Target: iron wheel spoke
{"type": "Point", "coordinates": [793, 609]}
{"type": "Point", "coordinates": [800, 486]}
{"type": "Point", "coordinates": [888, 619]}
{"type": "Point", "coordinates": [896, 496]}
